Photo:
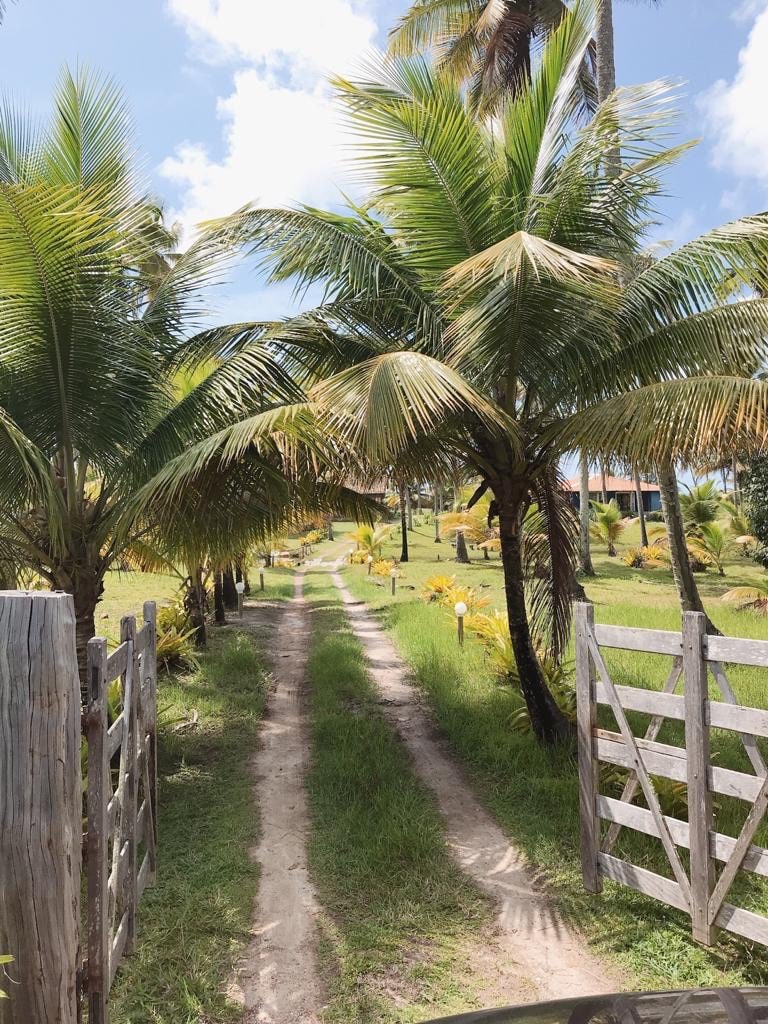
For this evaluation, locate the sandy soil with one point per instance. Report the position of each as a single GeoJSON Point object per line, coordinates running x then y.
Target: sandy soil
{"type": "Point", "coordinates": [531, 954]}
{"type": "Point", "coordinates": [277, 980]}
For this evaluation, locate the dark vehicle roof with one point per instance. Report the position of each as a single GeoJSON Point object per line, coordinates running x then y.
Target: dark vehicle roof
{"type": "Point", "coordinates": [694, 1006]}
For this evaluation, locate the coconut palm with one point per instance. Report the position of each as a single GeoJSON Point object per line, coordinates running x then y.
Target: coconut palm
{"type": "Point", "coordinates": [474, 306]}
{"type": "Point", "coordinates": [487, 43]}
{"type": "Point", "coordinates": [607, 525]}
{"type": "Point", "coordinates": [464, 526]}
{"type": "Point", "coordinates": [98, 451]}
{"type": "Point", "coordinates": [711, 545]}
{"type": "Point", "coordinates": [700, 505]}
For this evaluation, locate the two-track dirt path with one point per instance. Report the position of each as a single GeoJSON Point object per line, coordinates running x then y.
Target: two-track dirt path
{"type": "Point", "coordinates": [277, 980]}
{"type": "Point", "coordinates": [533, 954]}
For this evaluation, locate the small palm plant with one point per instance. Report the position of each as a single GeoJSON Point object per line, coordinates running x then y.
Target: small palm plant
{"type": "Point", "coordinates": [753, 598]}
{"type": "Point", "coordinates": [607, 525]}
{"type": "Point", "coordinates": [711, 545]}
{"type": "Point", "coordinates": [700, 505]}
{"type": "Point", "coordinates": [465, 526]}
{"type": "Point", "coordinates": [371, 539]}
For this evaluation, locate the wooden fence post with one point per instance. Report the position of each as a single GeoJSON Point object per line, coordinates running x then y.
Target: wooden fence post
{"type": "Point", "coordinates": [697, 753]}
{"type": "Point", "coordinates": [99, 793]}
{"type": "Point", "coordinates": [588, 765]}
{"type": "Point", "coordinates": [150, 617]}
{"type": "Point", "coordinates": [130, 807]}
{"type": "Point", "coordinates": [40, 806]}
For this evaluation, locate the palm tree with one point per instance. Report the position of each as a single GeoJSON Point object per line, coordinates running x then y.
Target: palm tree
{"type": "Point", "coordinates": [371, 538]}
{"type": "Point", "coordinates": [475, 307]}
{"type": "Point", "coordinates": [755, 598]}
{"type": "Point", "coordinates": [607, 525]}
{"type": "Point", "coordinates": [486, 43]}
{"type": "Point", "coordinates": [98, 452]}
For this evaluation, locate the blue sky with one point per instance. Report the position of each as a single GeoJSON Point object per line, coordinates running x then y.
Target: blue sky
{"type": "Point", "coordinates": [230, 106]}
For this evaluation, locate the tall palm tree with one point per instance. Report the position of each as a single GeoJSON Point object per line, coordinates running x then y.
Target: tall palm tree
{"type": "Point", "coordinates": [475, 308]}
{"type": "Point", "coordinates": [97, 450]}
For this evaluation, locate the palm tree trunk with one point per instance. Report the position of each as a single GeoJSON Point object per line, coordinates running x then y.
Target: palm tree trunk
{"type": "Point", "coordinates": [640, 509]}
{"type": "Point", "coordinates": [229, 589]}
{"type": "Point", "coordinates": [462, 555]}
{"type": "Point", "coordinates": [603, 483]}
{"type": "Point", "coordinates": [547, 720]}
{"type": "Point", "coordinates": [606, 53]}
{"type": "Point", "coordinates": [194, 605]}
{"type": "Point", "coordinates": [330, 528]}
{"type": "Point", "coordinates": [87, 588]}
{"type": "Point", "coordinates": [736, 491]}
{"type": "Point", "coordinates": [436, 510]}
{"type": "Point", "coordinates": [403, 524]}
{"type": "Point", "coordinates": [688, 592]}
{"type": "Point", "coordinates": [409, 507]}
{"type": "Point", "coordinates": [585, 553]}
{"type": "Point", "coordinates": [219, 611]}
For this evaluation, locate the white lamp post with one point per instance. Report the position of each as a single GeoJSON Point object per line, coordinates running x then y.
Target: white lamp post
{"type": "Point", "coordinates": [369, 560]}
{"type": "Point", "coordinates": [261, 578]}
{"type": "Point", "coordinates": [240, 588]}
{"type": "Point", "coordinates": [393, 577]}
{"type": "Point", "coordinates": [460, 609]}
{"type": "Point", "coordinates": [351, 555]}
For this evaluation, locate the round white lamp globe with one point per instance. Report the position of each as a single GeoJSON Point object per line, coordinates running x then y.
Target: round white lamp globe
{"type": "Point", "coordinates": [240, 587]}
{"type": "Point", "coordinates": [461, 609]}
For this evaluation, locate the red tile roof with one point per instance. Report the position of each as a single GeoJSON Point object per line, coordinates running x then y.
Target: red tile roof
{"type": "Point", "coordinates": [613, 484]}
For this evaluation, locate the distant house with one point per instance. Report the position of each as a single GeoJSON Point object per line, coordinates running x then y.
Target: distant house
{"type": "Point", "coordinates": [376, 488]}
{"type": "Point", "coordinates": [620, 490]}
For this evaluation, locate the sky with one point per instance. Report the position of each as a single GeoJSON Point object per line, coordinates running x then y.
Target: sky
{"type": "Point", "coordinates": [231, 103]}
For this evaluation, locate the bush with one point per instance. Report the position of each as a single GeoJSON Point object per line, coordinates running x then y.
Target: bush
{"type": "Point", "coordinates": [755, 496]}
{"type": "Point", "coordinates": [384, 566]}
{"type": "Point", "coordinates": [650, 557]}
{"type": "Point", "coordinates": [654, 517]}
{"type": "Point", "coordinates": [436, 587]}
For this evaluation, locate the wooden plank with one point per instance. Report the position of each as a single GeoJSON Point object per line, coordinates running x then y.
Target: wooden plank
{"type": "Point", "coordinates": [738, 718]}
{"type": "Point", "coordinates": [737, 650]}
{"type": "Point", "coordinates": [638, 766]}
{"type": "Point", "coordinates": [143, 877]}
{"type": "Point", "coordinates": [117, 662]}
{"type": "Point", "coordinates": [118, 947]}
{"type": "Point", "coordinates": [742, 845]}
{"type": "Point", "coordinates": [116, 735]}
{"type": "Point", "coordinates": [631, 786]}
{"type": "Point", "coordinates": [641, 820]}
{"type": "Point", "coordinates": [698, 762]}
{"type": "Point", "coordinates": [652, 702]}
{"type": "Point", "coordinates": [743, 922]}
{"type": "Point", "coordinates": [641, 880]}
{"type": "Point", "coordinates": [651, 641]}
{"type": "Point", "coordinates": [99, 793]}
{"type": "Point", "coordinates": [747, 737]}
{"type": "Point", "coordinates": [586, 718]}
{"type": "Point", "coordinates": [611, 748]}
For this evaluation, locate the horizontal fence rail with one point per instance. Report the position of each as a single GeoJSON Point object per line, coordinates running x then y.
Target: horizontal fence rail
{"type": "Point", "coordinates": [121, 837]}
{"type": "Point", "coordinates": [697, 890]}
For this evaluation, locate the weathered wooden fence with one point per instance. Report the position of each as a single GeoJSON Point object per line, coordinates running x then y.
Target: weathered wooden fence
{"type": "Point", "coordinates": [121, 840]}
{"type": "Point", "coordinates": [697, 890]}
{"type": "Point", "coordinates": [42, 847]}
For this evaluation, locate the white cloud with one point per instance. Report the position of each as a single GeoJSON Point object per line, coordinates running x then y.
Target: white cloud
{"type": "Point", "coordinates": [284, 142]}
{"type": "Point", "coordinates": [736, 109]}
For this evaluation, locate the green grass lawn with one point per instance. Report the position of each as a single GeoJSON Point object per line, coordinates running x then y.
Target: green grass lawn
{"type": "Point", "coordinates": [396, 908]}
{"type": "Point", "coordinates": [192, 924]}
{"type": "Point", "coordinates": [534, 792]}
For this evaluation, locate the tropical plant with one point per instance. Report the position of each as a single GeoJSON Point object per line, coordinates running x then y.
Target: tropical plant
{"type": "Point", "coordinates": [435, 587]}
{"type": "Point", "coordinates": [98, 453]}
{"type": "Point", "coordinates": [468, 294]}
{"type": "Point", "coordinates": [470, 596]}
{"type": "Point", "coordinates": [711, 545]}
{"type": "Point", "coordinates": [701, 504]}
{"type": "Point", "coordinates": [464, 526]}
{"type": "Point", "coordinates": [384, 567]}
{"type": "Point", "coordinates": [608, 524]}
{"type": "Point", "coordinates": [650, 556]}
{"type": "Point", "coordinates": [370, 539]}
{"type": "Point", "coordinates": [754, 598]}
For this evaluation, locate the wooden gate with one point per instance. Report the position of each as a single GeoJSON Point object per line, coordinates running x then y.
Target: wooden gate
{"type": "Point", "coordinates": [121, 839]}
{"type": "Point", "coordinates": [697, 890]}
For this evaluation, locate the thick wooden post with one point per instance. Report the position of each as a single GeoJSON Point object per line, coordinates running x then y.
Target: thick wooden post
{"type": "Point", "coordinates": [588, 765]}
{"type": "Point", "coordinates": [150, 655]}
{"type": "Point", "coordinates": [40, 806]}
{"type": "Point", "coordinates": [130, 805]}
{"type": "Point", "coordinates": [697, 753]}
{"type": "Point", "coordinates": [99, 794]}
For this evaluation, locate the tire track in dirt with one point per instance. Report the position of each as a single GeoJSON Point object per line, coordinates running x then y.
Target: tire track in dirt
{"type": "Point", "coordinates": [532, 953]}
{"type": "Point", "coordinates": [276, 980]}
